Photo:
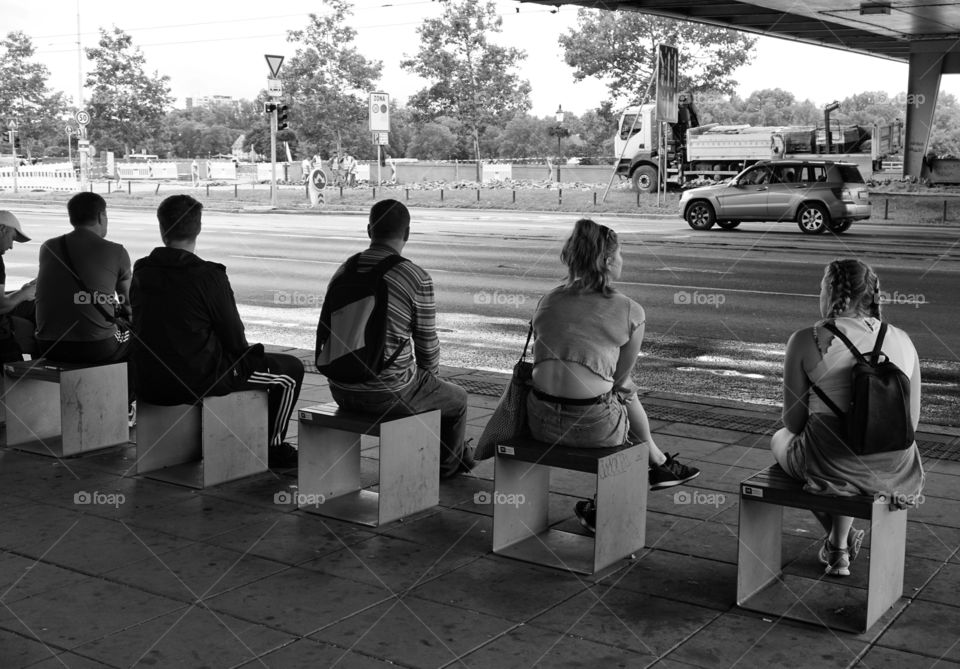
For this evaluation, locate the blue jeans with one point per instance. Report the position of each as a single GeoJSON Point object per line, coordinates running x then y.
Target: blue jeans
{"type": "Point", "coordinates": [425, 393]}
{"type": "Point", "coordinates": [592, 426]}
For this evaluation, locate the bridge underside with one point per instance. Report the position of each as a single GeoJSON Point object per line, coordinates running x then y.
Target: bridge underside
{"type": "Point", "coordinates": [925, 34]}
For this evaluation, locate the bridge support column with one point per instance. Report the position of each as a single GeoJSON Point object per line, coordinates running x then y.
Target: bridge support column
{"type": "Point", "coordinates": [923, 85]}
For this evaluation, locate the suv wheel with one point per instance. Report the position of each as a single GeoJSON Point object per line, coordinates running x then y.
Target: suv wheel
{"type": "Point", "coordinates": [727, 225]}
{"type": "Point", "coordinates": [813, 219]}
{"type": "Point", "coordinates": [700, 215]}
{"type": "Point", "coordinates": [841, 226]}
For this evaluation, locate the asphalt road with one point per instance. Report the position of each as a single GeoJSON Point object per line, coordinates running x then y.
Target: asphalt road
{"type": "Point", "coordinates": [720, 304]}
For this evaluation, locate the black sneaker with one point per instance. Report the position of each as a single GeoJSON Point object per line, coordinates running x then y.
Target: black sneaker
{"type": "Point", "coordinates": [283, 456]}
{"type": "Point", "coordinates": [586, 512]}
{"type": "Point", "coordinates": [671, 473]}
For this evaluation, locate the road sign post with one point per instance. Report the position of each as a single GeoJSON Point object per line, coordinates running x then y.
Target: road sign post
{"type": "Point", "coordinates": [83, 146]}
{"type": "Point", "coordinates": [274, 91]}
{"type": "Point", "coordinates": [13, 151]}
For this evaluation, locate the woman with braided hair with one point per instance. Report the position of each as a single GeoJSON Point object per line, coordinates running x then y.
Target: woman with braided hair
{"type": "Point", "coordinates": [587, 336]}
{"type": "Point", "coordinates": [811, 446]}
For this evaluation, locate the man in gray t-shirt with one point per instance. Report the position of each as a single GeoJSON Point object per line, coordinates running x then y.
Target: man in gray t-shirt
{"type": "Point", "coordinates": [83, 289]}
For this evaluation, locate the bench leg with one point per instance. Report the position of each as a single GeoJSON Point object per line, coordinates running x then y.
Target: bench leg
{"type": "Point", "coordinates": [888, 540]}
{"type": "Point", "coordinates": [167, 436]}
{"type": "Point", "coordinates": [622, 483]}
{"type": "Point", "coordinates": [93, 408]}
{"type": "Point", "coordinates": [409, 465]}
{"type": "Point", "coordinates": [528, 485]}
{"type": "Point", "coordinates": [234, 436]}
{"type": "Point", "coordinates": [759, 558]}
{"type": "Point", "coordinates": [33, 411]}
{"type": "Point", "coordinates": [329, 461]}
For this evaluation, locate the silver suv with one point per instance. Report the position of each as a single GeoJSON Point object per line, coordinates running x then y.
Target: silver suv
{"type": "Point", "coordinates": [819, 195]}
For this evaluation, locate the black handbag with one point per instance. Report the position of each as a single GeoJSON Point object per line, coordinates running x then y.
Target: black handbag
{"type": "Point", "coordinates": [509, 419]}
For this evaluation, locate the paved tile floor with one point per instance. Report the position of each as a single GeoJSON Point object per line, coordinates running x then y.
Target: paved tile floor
{"type": "Point", "coordinates": [167, 576]}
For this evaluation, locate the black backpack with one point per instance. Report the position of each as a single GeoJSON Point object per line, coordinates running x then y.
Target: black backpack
{"type": "Point", "coordinates": [878, 419]}
{"type": "Point", "coordinates": [352, 332]}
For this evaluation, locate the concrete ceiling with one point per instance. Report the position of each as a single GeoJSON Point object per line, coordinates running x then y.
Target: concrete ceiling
{"type": "Point", "coordinates": [832, 23]}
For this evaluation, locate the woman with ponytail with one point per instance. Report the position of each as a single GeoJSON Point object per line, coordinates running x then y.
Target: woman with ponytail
{"type": "Point", "coordinates": [587, 338]}
{"type": "Point", "coordinates": [812, 446]}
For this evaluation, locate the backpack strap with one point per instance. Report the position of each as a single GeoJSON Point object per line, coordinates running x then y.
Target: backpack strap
{"type": "Point", "coordinates": [381, 269]}
{"type": "Point", "coordinates": [853, 349]}
{"type": "Point", "coordinates": [876, 353]}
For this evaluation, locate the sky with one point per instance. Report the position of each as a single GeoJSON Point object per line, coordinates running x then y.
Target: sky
{"type": "Point", "coordinates": [217, 48]}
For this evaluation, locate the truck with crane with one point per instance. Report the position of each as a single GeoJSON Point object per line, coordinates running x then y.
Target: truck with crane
{"type": "Point", "coordinates": [701, 154]}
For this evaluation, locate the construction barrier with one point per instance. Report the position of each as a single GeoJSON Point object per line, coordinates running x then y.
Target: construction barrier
{"type": "Point", "coordinates": [147, 170]}
{"type": "Point", "coordinates": [40, 177]}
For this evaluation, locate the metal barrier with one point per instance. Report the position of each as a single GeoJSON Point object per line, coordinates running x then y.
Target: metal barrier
{"type": "Point", "coordinates": [41, 177]}
{"type": "Point", "coordinates": [147, 170]}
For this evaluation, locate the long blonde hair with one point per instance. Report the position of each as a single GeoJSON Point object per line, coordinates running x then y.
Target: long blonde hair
{"type": "Point", "coordinates": [853, 284]}
{"type": "Point", "coordinates": [585, 253]}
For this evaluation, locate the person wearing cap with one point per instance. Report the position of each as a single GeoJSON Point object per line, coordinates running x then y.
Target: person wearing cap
{"type": "Point", "coordinates": [17, 307]}
{"type": "Point", "coordinates": [83, 289]}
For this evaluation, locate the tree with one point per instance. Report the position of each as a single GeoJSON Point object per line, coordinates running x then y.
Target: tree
{"type": "Point", "coordinates": [471, 78]}
{"type": "Point", "coordinates": [433, 141]}
{"type": "Point", "coordinates": [526, 137]}
{"type": "Point", "coordinates": [25, 97]}
{"type": "Point", "coordinates": [327, 82]}
{"type": "Point", "coordinates": [127, 105]}
{"type": "Point", "coordinates": [620, 48]}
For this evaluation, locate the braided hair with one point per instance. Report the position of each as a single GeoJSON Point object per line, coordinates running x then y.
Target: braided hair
{"type": "Point", "coordinates": [853, 284]}
{"type": "Point", "coordinates": [585, 253]}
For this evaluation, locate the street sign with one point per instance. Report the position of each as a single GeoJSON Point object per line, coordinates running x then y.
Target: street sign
{"type": "Point", "coordinates": [379, 112]}
{"type": "Point", "coordinates": [83, 144]}
{"type": "Point", "coordinates": [274, 63]}
{"type": "Point", "coordinates": [381, 138]}
{"type": "Point", "coordinates": [667, 58]}
{"type": "Point", "coordinates": [12, 125]}
{"type": "Point", "coordinates": [83, 117]}
{"type": "Point", "coordinates": [274, 87]}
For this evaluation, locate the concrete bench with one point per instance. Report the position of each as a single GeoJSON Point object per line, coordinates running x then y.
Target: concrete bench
{"type": "Point", "coordinates": [826, 601]}
{"type": "Point", "coordinates": [521, 501]}
{"type": "Point", "coordinates": [62, 409]}
{"type": "Point", "coordinates": [219, 439]}
{"type": "Point", "coordinates": [329, 468]}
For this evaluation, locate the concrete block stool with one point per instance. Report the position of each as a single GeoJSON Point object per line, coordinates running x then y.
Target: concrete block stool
{"type": "Point", "coordinates": [521, 527]}
{"type": "Point", "coordinates": [329, 475]}
{"type": "Point", "coordinates": [827, 601]}
{"type": "Point", "coordinates": [219, 439]}
{"type": "Point", "coordinates": [62, 409]}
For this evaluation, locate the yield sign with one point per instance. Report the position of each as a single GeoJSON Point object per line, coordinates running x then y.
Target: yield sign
{"type": "Point", "coordinates": [274, 63]}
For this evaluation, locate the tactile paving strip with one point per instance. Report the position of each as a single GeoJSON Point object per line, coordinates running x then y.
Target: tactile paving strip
{"type": "Point", "coordinates": [711, 418]}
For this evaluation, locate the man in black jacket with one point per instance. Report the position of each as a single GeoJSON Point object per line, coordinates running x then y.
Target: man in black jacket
{"type": "Point", "coordinates": [188, 337]}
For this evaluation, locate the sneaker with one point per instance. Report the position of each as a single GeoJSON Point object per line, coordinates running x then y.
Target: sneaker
{"type": "Point", "coordinates": [283, 456]}
{"type": "Point", "coordinates": [854, 542]}
{"type": "Point", "coordinates": [671, 473]}
{"type": "Point", "coordinates": [132, 415]}
{"type": "Point", "coordinates": [586, 512]}
{"type": "Point", "coordinates": [839, 562]}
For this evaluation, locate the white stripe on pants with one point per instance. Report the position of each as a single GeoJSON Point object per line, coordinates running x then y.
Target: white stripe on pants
{"type": "Point", "coordinates": [287, 386]}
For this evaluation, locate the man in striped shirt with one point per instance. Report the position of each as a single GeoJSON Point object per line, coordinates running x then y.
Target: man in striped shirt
{"type": "Point", "coordinates": [411, 383]}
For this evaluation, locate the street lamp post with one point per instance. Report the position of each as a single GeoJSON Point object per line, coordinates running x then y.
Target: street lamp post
{"type": "Point", "coordinates": [560, 132]}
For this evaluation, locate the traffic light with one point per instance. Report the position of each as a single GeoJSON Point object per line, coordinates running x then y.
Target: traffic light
{"type": "Point", "coordinates": [269, 107]}
{"type": "Point", "coordinates": [282, 117]}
